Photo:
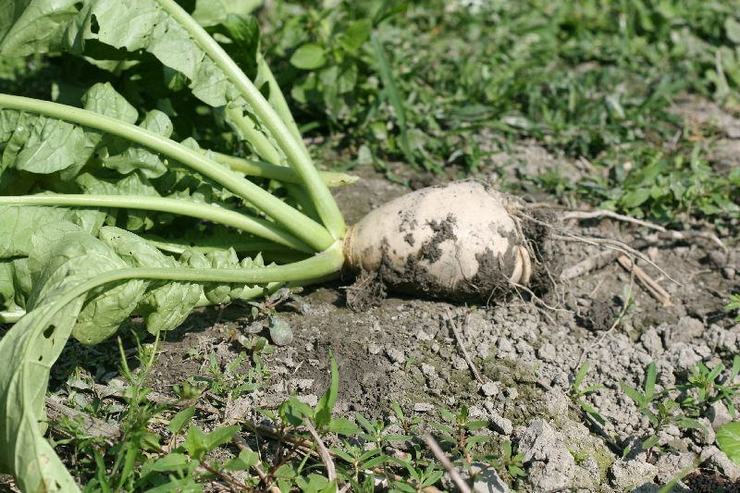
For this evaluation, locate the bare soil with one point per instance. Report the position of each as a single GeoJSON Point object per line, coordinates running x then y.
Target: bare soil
{"type": "Point", "coordinates": [403, 350]}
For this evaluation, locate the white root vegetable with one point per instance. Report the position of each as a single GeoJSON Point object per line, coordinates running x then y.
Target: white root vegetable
{"type": "Point", "coordinates": [456, 241]}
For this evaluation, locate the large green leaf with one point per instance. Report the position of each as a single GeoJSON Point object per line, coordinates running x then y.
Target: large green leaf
{"type": "Point", "coordinates": [15, 284]}
{"type": "Point", "coordinates": [36, 144]}
{"type": "Point", "coordinates": [77, 255]}
{"type": "Point", "coordinates": [19, 224]}
{"type": "Point", "coordinates": [728, 439]}
{"type": "Point", "coordinates": [212, 12]}
{"type": "Point", "coordinates": [83, 27]}
{"type": "Point", "coordinates": [28, 350]}
{"type": "Point", "coordinates": [166, 305]}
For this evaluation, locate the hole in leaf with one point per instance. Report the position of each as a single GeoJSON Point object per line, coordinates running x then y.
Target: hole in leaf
{"type": "Point", "coordinates": [41, 358]}
{"type": "Point", "coordinates": [49, 331]}
{"type": "Point", "coordinates": [94, 26]}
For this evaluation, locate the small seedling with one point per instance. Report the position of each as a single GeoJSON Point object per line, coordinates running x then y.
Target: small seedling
{"type": "Point", "coordinates": [659, 408]}
{"type": "Point", "coordinates": [578, 393]}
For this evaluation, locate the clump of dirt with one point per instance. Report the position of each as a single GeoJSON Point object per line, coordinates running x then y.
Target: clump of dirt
{"type": "Point", "coordinates": [366, 292]}
{"type": "Point", "coordinates": [601, 315]}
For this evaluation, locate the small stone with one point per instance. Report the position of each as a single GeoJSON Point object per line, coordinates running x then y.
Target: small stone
{"type": "Point", "coordinates": [651, 341]}
{"type": "Point", "coordinates": [423, 407]}
{"type": "Point", "coordinates": [550, 464]}
{"type": "Point", "coordinates": [435, 347]}
{"type": "Point", "coordinates": [486, 479]}
{"type": "Point", "coordinates": [505, 346]}
{"type": "Point", "coordinates": [720, 460]}
{"type": "Point", "coordinates": [557, 401]}
{"type": "Point", "coordinates": [501, 424]}
{"type": "Point", "coordinates": [428, 370]}
{"type": "Point", "coordinates": [423, 336]}
{"type": "Point", "coordinates": [373, 348]}
{"type": "Point", "coordinates": [630, 474]}
{"type": "Point", "coordinates": [459, 363]}
{"type": "Point", "coordinates": [490, 389]}
{"type": "Point", "coordinates": [686, 329]}
{"type": "Point", "coordinates": [718, 258]}
{"type": "Point", "coordinates": [670, 465]}
{"type": "Point", "coordinates": [718, 414]}
{"type": "Point", "coordinates": [396, 355]}
{"type": "Point", "coordinates": [512, 393]}
{"type": "Point", "coordinates": [547, 352]}
{"type": "Point", "coordinates": [281, 332]}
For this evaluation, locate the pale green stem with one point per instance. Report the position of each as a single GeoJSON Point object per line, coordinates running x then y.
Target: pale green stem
{"type": "Point", "coordinates": [281, 173]}
{"type": "Point", "coordinates": [11, 317]}
{"type": "Point", "coordinates": [249, 132]}
{"type": "Point", "coordinates": [304, 228]}
{"type": "Point", "coordinates": [208, 212]}
{"type": "Point", "coordinates": [320, 265]}
{"type": "Point", "coordinates": [293, 148]}
{"type": "Point", "coordinates": [277, 98]}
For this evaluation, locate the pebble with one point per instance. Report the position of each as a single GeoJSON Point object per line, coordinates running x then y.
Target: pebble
{"type": "Point", "coordinates": [490, 389]}
{"type": "Point", "coordinates": [501, 424]}
{"type": "Point", "coordinates": [423, 407]}
{"type": "Point", "coordinates": [718, 414]}
{"type": "Point", "coordinates": [547, 352]}
{"type": "Point", "coordinates": [396, 355]}
{"type": "Point", "coordinates": [630, 474]}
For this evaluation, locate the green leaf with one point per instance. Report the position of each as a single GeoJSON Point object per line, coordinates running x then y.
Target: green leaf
{"type": "Point", "coordinates": [28, 27]}
{"type": "Point", "coordinates": [195, 443]}
{"type": "Point", "coordinates": [326, 404]}
{"type": "Point", "coordinates": [41, 145]}
{"type": "Point", "coordinates": [310, 56]}
{"type": "Point", "coordinates": [220, 436]}
{"type": "Point", "coordinates": [180, 420]}
{"type": "Point", "coordinates": [728, 439]}
{"type": "Point", "coordinates": [580, 375]}
{"type": "Point", "coordinates": [635, 198]}
{"type": "Point", "coordinates": [212, 12]}
{"type": "Point", "coordinates": [79, 256]}
{"type": "Point", "coordinates": [635, 395]}
{"type": "Point", "coordinates": [650, 378]}
{"type": "Point", "coordinates": [173, 462]}
{"type": "Point", "coordinates": [356, 35]}
{"type": "Point", "coordinates": [732, 28]}
{"type": "Point", "coordinates": [125, 158]}
{"type": "Point", "coordinates": [167, 304]}
{"type": "Point", "coordinates": [293, 412]}
{"type": "Point", "coordinates": [650, 442]}
{"type": "Point", "coordinates": [343, 426]}
{"type": "Point", "coordinates": [30, 348]}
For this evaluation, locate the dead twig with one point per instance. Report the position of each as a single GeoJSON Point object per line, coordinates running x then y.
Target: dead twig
{"type": "Point", "coordinates": [445, 461]}
{"type": "Point", "coordinates": [458, 338]}
{"type": "Point", "coordinates": [598, 214]}
{"type": "Point", "coordinates": [331, 471]}
{"type": "Point", "coordinates": [650, 284]}
{"type": "Point", "coordinates": [615, 245]}
{"type": "Point", "coordinates": [666, 233]}
{"type": "Point", "coordinates": [594, 262]}
{"type": "Point", "coordinates": [57, 410]}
